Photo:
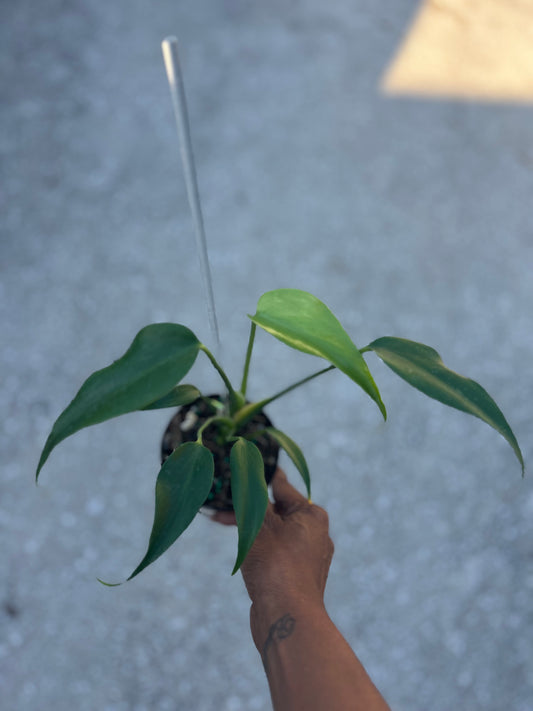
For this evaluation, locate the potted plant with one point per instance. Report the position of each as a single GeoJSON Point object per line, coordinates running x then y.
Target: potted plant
{"type": "Point", "coordinates": [225, 443]}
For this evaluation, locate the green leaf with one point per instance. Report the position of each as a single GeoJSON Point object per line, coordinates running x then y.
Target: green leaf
{"type": "Point", "coordinates": [178, 396]}
{"type": "Point", "coordinates": [159, 357]}
{"type": "Point", "coordinates": [295, 453]}
{"type": "Point", "coordinates": [305, 323]}
{"type": "Point", "coordinates": [249, 493]}
{"type": "Point", "coordinates": [182, 487]}
{"type": "Point", "coordinates": [422, 367]}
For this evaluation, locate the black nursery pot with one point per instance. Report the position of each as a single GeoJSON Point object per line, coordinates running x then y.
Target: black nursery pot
{"type": "Point", "coordinates": [184, 426]}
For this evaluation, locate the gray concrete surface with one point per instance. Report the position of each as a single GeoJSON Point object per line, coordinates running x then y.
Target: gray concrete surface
{"type": "Point", "coordinates": [410, 218]}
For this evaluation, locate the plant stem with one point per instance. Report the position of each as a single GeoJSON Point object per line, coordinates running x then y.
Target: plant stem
{"type": "Point", "coordinates": [248, 411]}
{"type": "Point", "coordinates": [235, 400]}
{"type": "Point", "coordinates": [247, 360]}
{"type": "Point", "coordinates": [297, 385]}
{"type": "Point", "coordinates": [210, 421]}
{"type": "Point", "coordinates": [217, 367]}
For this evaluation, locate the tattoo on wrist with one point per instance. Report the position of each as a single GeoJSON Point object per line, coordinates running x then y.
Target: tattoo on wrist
{"type": "Point", "coordinates": [281, 629]}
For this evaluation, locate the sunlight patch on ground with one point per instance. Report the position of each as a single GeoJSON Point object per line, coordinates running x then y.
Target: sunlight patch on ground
{"type": "Point", "coordinates": [478, 49]}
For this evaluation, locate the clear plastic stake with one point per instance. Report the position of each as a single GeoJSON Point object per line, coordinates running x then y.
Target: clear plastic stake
{"type": "Point", "coordinates": [179, 103]}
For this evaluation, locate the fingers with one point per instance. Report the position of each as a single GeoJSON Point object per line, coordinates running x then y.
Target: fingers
{"type": "Point", "coordinates": [226, 518]}
{"type": "Point", "coordinates": [287, 498]}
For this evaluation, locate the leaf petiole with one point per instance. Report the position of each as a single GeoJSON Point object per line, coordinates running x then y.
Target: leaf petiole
{"type": "Point", "coordinates": [209, 421]}
{"type": "Point", "coordinates": [236, 400]}
{"type": "Point", "coordinates": [244, 384]}
{"type": "Point", "coordinates": [248, 411]}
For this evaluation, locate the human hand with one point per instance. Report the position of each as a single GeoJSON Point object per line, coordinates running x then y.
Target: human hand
{"type": "Point", "coordinates": [291, 555]}
{"type": "Point", "coordinates": [308, 663]}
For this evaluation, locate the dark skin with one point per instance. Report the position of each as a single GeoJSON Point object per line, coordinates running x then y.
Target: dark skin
{"type": "Point", "coordinates": [308, 663]}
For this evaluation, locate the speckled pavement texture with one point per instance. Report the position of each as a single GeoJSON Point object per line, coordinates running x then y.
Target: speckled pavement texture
{"type": "Point", "coordinates": [407, 217]}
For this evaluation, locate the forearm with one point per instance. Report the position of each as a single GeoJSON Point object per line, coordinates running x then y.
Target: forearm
{"type": "Point", "coordinates": [309, 665]}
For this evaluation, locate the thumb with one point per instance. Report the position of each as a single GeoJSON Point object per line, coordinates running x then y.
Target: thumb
{"type": "Point", "coordinates": [287, 498]}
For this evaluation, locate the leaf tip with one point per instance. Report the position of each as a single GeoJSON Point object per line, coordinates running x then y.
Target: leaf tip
{"type": "Point", "coordinates": [239, 561]}
{"type": "Point", "coordinates": [142, 565]}
{"type": "Point", "coordinates": [42, 460]}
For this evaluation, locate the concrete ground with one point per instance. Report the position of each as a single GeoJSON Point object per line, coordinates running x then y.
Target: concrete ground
{"type": "Point", "coordinates": [407, 217]}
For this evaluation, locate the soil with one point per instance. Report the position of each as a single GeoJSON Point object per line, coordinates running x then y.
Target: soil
{"type": "Point", "coordinates": [184, 426]}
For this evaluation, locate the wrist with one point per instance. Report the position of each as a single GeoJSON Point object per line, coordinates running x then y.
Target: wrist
{"type": "Point", "coordinates": [269, 610]}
